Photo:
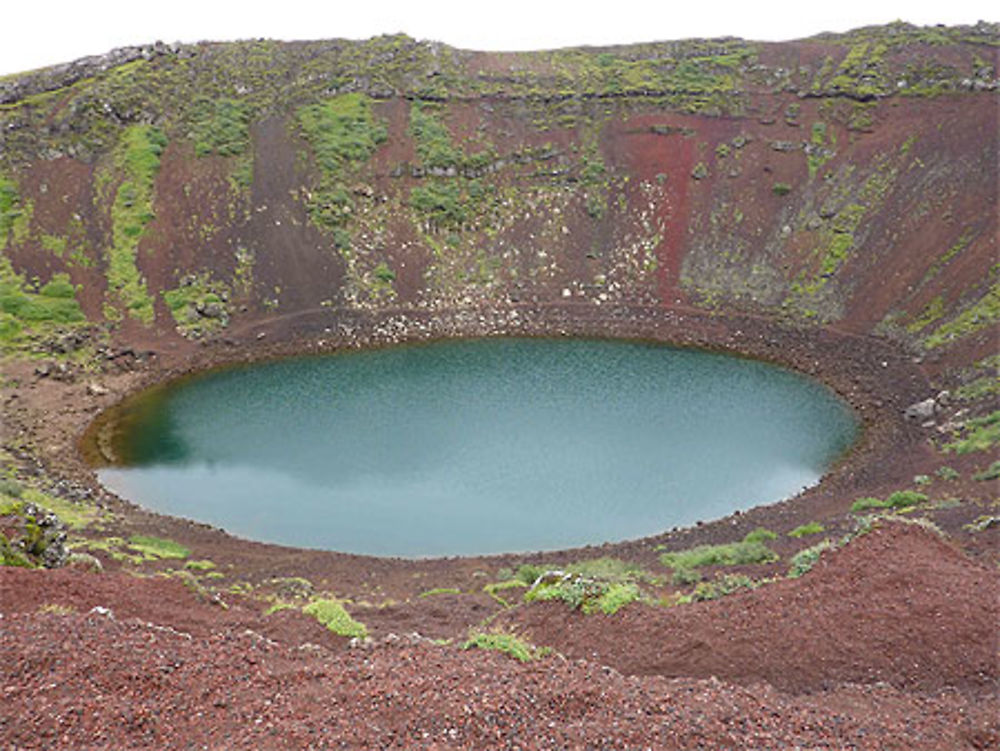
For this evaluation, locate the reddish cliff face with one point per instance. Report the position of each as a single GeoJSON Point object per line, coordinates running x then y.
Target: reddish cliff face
{"type": "Point", "coordinates": [847, 181]}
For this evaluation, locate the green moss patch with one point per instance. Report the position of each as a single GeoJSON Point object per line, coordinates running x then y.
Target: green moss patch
{"type": "Point", "coordinates": [978, 434]}
{"type": "Point", "coordinates": [138, 158]}
{"type": "Point", "coordinates": [812, 528]}
{"type": "Point", "coordinates": [898, 500]}
{"type": "Point", "coordinates": [199, 305]}
{"type": "Point", "coordinates": [748, 551]}
{"type": "Point", "coordinates": [507, 643]}
{"type": "Point", "coordinates": [157, 547]}
{"type": "Point", "coordinates": [981, 315]}
{"type": "Point", "coordinates": [332, 614]}
{"type": "Point", "coordinates": [220, 127]}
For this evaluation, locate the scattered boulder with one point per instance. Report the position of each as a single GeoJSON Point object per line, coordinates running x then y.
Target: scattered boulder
{"type": "Point", "coordinates": [925, 410]}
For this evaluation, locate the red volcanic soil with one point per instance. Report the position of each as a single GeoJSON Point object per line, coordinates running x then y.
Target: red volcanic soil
{"type": "Point", "coordinates": [890, 643]}
{"type": "Point", "coordinates": [898, 605]}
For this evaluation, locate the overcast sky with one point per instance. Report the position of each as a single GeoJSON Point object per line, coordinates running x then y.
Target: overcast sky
{"type": "Point", "coordinates": [35, 33]}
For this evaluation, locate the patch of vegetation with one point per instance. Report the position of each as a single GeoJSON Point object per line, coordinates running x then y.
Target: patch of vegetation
{"type": "Point", "coordinates": [750, 550]}
{"type": "Point", "coordinates": [157, 547]}
{"type": "Point", "coordinates": [720, 586]}
{"type": "Point", "coordinates": [817, 154]}
{"type": "Point", "coordinates": [947, 473]}
{"type": "Point", "coordinates": [11, 488]}
{"type": "Point", "coordinates": [493, 589]}
{"type": "Point", "coordinates": [443, 204]}
{"type": "Point", "coordinates": [12, 556]}
{"type": "Point", "coordinates": [583, 593]}
{"type": "Point", "coordinates": [29, 314]}
{"type": "Point", "coordinates": [804, 560]}
{"type": "Point", "coordinates": [963, 242]}
{"type": "Point", "coordinates": [15, 214]}
{"type": "Point", "coordinates": [506, 642]}
{"type": "Point", "coordinates": [760, 534]}
{"type": "Point", "coordinates": [978, 434]}
{"type": "Point", "coordinates": [982, 523]}
{"type": "Point", "coordinates": [898, 500]}
{"type": "Point", "coordinates": [593, 178]}
{"type": "Point", "coordinates": [54, 244]}
{"type": "Point", "coordinates": [812, 528]}
{"type": "Point", "coordinates": [862, 73]}
{"type": "Point", "coordinates": [433, 139]}
{"type": "Point", "coordinates": [341, 131]}
{"type": "Point", "coordinates": [992, 472]}
{"type": "Point", "coordinates": [205, 565]}
{"type": "Point", "coordinates": [114, 547]}
{"type": "Point", "coordinates": [440, 591]}
{"type": "Point", "coordinates": [595, 585]}
{"type": "Point", "coordinates": [982, 314]}
{"type": "Point", "coordinates": [219, 126]}
{"type": "Point", "coordinates": [781, 189]}
{"type": "Point", "coordinates": [199, 305]}
{"type": "Point", "coordinates": [74, 515]}
{"type": "Point", "coordinates": [331, 613]}
{"type": "Point", "coordinates": [835, 242]}
{"type": "Point", "coordinates": [343, 134]}
{"type": "Point", "coordinates": [980, 388]}
{"type": "Point", "coordinates": [931, 313]}
{"type": "Point", "coordinates": [138, 157]}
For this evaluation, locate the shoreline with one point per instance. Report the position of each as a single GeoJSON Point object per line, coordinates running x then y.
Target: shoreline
{"type": "Point", "coordinates": [878, 381]}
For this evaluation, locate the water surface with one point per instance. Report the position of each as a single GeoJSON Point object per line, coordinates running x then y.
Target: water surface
{"type": "Point", "coordinates": [474, 447]}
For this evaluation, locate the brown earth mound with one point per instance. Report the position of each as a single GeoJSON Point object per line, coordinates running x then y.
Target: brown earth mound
{"type": "Point", "coordinates": [896, 609]}
{"type": "Point", "coordinates": [91, 681]}
{"type": "Point", "coordinates": [898, 605]}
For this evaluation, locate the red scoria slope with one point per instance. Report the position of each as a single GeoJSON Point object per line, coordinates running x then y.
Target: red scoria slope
{"type": "Point", "coordinates": [99, 680]}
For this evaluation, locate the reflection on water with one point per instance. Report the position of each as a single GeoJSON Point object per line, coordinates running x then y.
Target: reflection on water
{"type": "Point", "coordinates": [479, 446]}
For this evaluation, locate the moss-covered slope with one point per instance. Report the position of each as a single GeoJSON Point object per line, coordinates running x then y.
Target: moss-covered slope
{"type": "Point", "coordinates": [846, 180]}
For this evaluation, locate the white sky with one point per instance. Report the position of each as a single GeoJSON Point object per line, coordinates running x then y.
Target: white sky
{"type": "Point", "coordinates": [35, 33]}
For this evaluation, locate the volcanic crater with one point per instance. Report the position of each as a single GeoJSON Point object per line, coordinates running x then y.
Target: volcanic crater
{"type": "Point", "coordinates": [827, 204]}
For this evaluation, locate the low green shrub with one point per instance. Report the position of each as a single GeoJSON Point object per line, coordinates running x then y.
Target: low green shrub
{"type": "Point", "coordinates": [979, 434]}
{"type": "Point", "coordinates": [992, 472]}
{"type": "Point", "coordinates": [575, 591]}
{"type": "Point", "coordinates": [331, 614]}
{"type": "Point", "coordinates": [11, 488]}
{"type": "Point", "coordinates": [750, 550]}
{"type": "Point", "coordinates": [683, 577]}
{"type": "Point", "coordinates": [947, 473]}
{"type": "Point", "coordinates": [866, 503]}
{"type": "Point", "coordinates": [721, 586]}
{"type": "Point", "coordinates": [905, 498]}
{"type": "Point", "coordinates": [440, 591]}
{"type": "Point", "coordinates": [899, 499]}
{"type": "Point", "coordinates": [760, 535]}
{"type": "Point", "coordinates": [157, 547]}
{"type": "Point", "coordinates": [804, 560]}
{"type": "Point", "coordinates": [11, 556]}
{"type": "Point", "coordinates": [528, 573]}
{"type": "Point", "coordinates": [508, 643]}
{"type": "Point", "coordinates": [615, 597]}
{"type": "Point", "coordinates": [982, 523]}
{"type": "Point", "coordinates": [812, 528]}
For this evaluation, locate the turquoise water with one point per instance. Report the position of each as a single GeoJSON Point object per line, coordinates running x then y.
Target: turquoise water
{"type": "Point", "coordinates": [475, 447]}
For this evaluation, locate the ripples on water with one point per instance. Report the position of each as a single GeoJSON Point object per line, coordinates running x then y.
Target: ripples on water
{"type": "Point", "coordinates": [474, 447]}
